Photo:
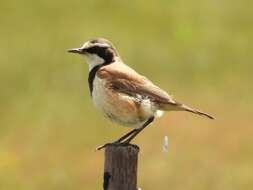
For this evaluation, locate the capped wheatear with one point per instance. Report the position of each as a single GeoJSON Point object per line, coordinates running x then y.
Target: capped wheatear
{"type": "Point", "coordinates": [123, 95]}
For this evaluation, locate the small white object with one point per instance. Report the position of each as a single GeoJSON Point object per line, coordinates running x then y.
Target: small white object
{"type": "Point", "coordinates": [166, 144]}
{"type": "Point", "coordinates": [159, 113]}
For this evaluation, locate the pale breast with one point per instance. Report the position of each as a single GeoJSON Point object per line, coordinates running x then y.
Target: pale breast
{"type": "Point", "coordinates": [119, 107]}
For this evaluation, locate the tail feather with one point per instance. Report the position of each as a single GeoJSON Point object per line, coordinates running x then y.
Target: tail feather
{"type": "Point", "coordinates": [186, 108]}
{"type": "Point", "coordinates": [181, 107]}
{"type": "Point", "coordinates": [200, 113]}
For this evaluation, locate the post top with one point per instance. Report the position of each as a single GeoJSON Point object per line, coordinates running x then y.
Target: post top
{"type": "Point", "coordinates": [123, 146]}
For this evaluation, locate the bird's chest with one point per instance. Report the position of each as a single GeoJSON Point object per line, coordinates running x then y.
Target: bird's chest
{"type": "Point", "coordinates": [110, 102]}
{"type": "Point", "coordinates": [99, 94]}
{"type": "Point", "coordinates": [119, 107]}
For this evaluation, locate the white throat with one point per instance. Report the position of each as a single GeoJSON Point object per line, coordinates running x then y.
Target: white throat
{"type": "Point", "coordinates": [93, 60]}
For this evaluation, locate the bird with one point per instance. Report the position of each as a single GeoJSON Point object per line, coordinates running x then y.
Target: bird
{"type": "Point", "coordinates": [122, 94]}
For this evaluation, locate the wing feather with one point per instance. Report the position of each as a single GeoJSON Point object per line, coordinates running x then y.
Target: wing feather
{"type": "Point", "coordinates": [123, 79]}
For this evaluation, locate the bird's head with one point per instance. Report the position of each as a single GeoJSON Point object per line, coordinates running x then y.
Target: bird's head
{"type": "Point", "coordinates": [97, 52]}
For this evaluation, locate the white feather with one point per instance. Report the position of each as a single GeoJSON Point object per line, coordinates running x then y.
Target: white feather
{"type": "Point", "coordinates": [93, 60]}
{"type": "Point", "coordinates": [159, 113]}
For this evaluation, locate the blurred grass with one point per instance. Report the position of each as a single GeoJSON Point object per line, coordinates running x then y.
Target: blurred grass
{"type": "Point", "coordinates": [200, 51]}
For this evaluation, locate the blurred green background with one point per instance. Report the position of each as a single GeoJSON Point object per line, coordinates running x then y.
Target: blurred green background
{"type": "Point", "coordinates": [199, 51]}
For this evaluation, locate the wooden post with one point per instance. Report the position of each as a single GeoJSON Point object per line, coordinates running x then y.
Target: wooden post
{"type": "Point", "coordinates": [120, 168]}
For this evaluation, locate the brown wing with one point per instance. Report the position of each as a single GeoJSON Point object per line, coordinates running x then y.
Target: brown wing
{"type": "Point", "coordinates": [123, 79]}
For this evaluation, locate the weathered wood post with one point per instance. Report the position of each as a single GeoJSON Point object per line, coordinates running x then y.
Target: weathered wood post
{"type": "Point", "coordinates": [120, 167]}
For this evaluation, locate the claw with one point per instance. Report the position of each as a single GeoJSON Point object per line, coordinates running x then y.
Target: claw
{"type": "Point", "coordinates": [103, 146]}
{"type": "Point", "coordinates": [117, 143]}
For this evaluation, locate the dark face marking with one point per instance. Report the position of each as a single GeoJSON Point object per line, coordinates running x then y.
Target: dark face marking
{"type": "Point", "coordinates": [105, 53]}
{"type": "Point", "coordinates": [91, 77]}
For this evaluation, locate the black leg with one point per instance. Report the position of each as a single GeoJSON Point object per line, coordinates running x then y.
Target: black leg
{"type": "Point", "coordinates": [132, 134]}
{"type": "Point", "coordinates": [150, 120]}
{"type": "Point", "coordinates": [126, 135]}
{"type": "Point", "coordinates": [119, 140]}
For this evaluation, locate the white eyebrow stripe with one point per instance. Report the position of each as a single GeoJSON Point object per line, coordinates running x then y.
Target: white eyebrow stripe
{"type": "Point", "coordinates": [102, 45]}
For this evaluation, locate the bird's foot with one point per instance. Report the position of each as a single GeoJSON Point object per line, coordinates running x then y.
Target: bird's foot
{"type": "Point", "coordinates": [115, 143]}
{"type": "Point", "coordinates": [103, 146]}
